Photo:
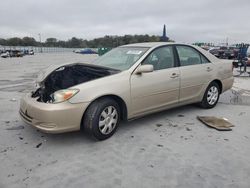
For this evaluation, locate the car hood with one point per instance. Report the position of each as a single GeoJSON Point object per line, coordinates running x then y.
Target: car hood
{"type": "Point", "coordinates": [56, 78]}
{"type": "Point", "coordinates": [47, 71]}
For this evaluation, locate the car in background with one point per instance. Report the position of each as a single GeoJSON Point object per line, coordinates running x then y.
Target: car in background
{"type": "Point", "coordinates": [86, 51]}
{"type": "Point", "coordinates": [225, 52]}
{"type": "Point", "coordinates": [28, 52]}
{"type": "Point", "coordinates": [5, 54]}
{"type": "Point", "coordinates": [12, 53]}
{"type": "Point", "coordinates": [31, 52]}
{"type": "Point", "coordinates": [16, 53]}
{"type": "Point", "coordinates": [214, 51]}
{"type": "Point", "coordinates": [125, 83]}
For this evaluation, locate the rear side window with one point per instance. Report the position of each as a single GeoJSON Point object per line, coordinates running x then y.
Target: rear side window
{"type": "Point", "coordinates": [204, 60]}
{"type": "Point", "coordinates": [188, 56]}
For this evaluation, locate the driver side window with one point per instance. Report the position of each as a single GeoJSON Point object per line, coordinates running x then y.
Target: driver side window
{"type": "Point", "coordinates": [161, 58]}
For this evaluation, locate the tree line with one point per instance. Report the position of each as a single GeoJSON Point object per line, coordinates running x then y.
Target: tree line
{"type": "Point", "coordinates": [106, 41]}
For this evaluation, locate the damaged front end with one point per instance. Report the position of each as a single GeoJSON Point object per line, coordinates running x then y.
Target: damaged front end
{"type": "Point", "coordinates": [65, 77]}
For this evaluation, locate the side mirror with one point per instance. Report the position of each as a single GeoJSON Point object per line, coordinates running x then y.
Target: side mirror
{"type": "Point", "coordinates": [145, 69]}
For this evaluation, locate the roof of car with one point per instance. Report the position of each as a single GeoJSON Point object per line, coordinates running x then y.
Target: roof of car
{"type": "Point", "coordinates": [156, 44]}
{"type": "Point", "coordinates": [148, 44]}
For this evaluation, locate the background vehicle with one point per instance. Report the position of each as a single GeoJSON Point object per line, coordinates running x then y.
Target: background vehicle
{"type": "Point", "coordinates": [12, 53]}
{"type": "Point", "coordinates": [225, 52]}
{"type": "Point", "coordinates": [125, 83]}
{"type": "Point", "coordinates": [16, 53]}
{"type": "Point", "coordinates": [31, 52]}
{"type": "Point", "coordinates": [5, 54]}
{"type": "Point", "coordinates": [86, 51]}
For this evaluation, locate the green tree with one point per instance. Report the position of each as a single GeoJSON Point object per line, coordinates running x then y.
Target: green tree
{"type": "Point", "coordinates": [15, 41]}
{"type": "Point", "coordinates": [51, 42]}
{"type": "Point", "coordinates": [75, 42]}
{"type": "Point", "coordinates": [3, 42]}
{"type": "Point", "coordinates": [29, 41]}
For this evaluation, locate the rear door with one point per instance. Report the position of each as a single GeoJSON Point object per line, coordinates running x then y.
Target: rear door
{"type": "Point", "coordinates": [196, 72]}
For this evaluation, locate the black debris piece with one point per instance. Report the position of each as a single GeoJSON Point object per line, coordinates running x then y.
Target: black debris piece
{"type": "Point", "coordinates": [38, 145]}
{"type": "Point", "coordinates": [158, 124]}
{"type": "Point", "coordinates": [3, 151]}
{"type": "Point", "coordinates": [159, 145]}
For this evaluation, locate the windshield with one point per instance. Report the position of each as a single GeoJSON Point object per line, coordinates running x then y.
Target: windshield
{"type": "Point", "coordinates": [121, 58]}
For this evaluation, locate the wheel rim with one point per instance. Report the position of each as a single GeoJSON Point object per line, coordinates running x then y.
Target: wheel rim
{"type": "Point", "coordinates": [108, 120]}
{"type": "Point", "coordinates": [212, 95]}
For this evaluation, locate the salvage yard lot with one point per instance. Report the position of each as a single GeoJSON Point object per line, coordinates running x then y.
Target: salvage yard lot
{"type": "Point", "coordinates": [167, 149]}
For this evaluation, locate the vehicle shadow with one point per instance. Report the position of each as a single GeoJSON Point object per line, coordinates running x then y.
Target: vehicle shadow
{"type": "Point", "coordinates": [154, 118]}
{"type": "Point", "coordinates": [125, 129]}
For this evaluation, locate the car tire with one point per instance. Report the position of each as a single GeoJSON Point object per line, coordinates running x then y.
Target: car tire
{"type": "Point", "coordinates": [211, 96]}
{"type": "Point", "coordinates": [102, 118]}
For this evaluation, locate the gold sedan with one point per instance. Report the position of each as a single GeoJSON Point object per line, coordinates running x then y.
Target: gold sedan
{"type": "Point", "coordinates": [128, 82]}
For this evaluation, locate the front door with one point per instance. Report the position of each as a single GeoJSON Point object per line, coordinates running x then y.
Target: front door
{"type": "Point", "coordinates": [157, 89]}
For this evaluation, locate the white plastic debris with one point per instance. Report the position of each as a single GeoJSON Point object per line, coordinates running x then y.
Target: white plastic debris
{"type": "Point", "coordinates": [13, 100]}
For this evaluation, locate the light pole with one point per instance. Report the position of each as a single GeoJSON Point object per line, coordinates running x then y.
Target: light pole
{"type": "Point", "coordinates": [40, 39]}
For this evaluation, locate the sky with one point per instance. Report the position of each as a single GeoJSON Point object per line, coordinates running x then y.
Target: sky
{"type": "Point", "coordinates": [186, 20]}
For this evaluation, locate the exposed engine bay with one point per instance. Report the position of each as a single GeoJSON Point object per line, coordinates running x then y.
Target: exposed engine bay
{"type": "Point", "coordinates": [68, 76]}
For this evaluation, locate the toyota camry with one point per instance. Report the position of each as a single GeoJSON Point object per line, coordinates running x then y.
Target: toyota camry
{"type": "Point", "coordinates": [126, 83]}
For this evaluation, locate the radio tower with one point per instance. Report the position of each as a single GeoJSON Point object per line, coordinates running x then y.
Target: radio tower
{"type": "Point", "coordinates": [164, 37]}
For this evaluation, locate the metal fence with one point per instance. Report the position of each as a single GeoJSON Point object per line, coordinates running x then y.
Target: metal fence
{"type": "Point", "coordinates": [38, 49]}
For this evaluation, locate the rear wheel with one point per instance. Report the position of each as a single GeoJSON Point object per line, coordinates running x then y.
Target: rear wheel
{"type": "Point", "coordinates": [102, 118]}
{"type": "Point", "coordinates": [211, 96]}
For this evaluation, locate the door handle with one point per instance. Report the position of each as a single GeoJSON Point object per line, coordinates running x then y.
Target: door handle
{"type": "Point", "coordinates": [174, 75]}
{"type": "Point", "coordinates": [209, 69]}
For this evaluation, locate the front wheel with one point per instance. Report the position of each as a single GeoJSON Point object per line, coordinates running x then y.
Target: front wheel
{"type": "Point", "coordinates": [211, 96]}
{"type": "Point", "coordinates": [102, 118]}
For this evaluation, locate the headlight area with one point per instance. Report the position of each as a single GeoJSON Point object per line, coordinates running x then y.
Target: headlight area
{"type": "Point", "coordinates": [63, 95]}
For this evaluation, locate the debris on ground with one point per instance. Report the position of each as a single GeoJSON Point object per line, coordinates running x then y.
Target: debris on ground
{"type": "Point", "coordinates": [25, 178]}
{"type": "Point", "coordinates": [180, 115]}
{"type": "Point", "coordinates": [188, 129]}
{"type": "Point", "coordinates": [221, 124]}
{"type": "Point", "coordinates": [3, 151]}
{"type": "Point", "coordinates": [158, 124]}
{"type": "Point", "coordinates": [13, 100]}
{"type": "Point", "coordinates": [16, 128]}
{"type": "Point", "coordinates": [189, 123]}
{"type": "Point", "coordinates": [159, 145]}
{"type": "Point", "coordinates": [242, 113]}
{"type": "Point", "coordinates": [38, 145]}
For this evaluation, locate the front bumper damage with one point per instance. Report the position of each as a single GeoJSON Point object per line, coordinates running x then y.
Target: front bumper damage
{"type": "Point", "coordinates": [52, 118]}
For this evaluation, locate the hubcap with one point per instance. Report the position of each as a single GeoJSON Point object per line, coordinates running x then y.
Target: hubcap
{"type": "Point", "coordinates": [212, 95]}
{"type": "Point", "coordinates": [108, 120]}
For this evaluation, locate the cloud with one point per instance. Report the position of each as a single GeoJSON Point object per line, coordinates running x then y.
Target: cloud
{"type": "Point", "coordinates": [186, 21]}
